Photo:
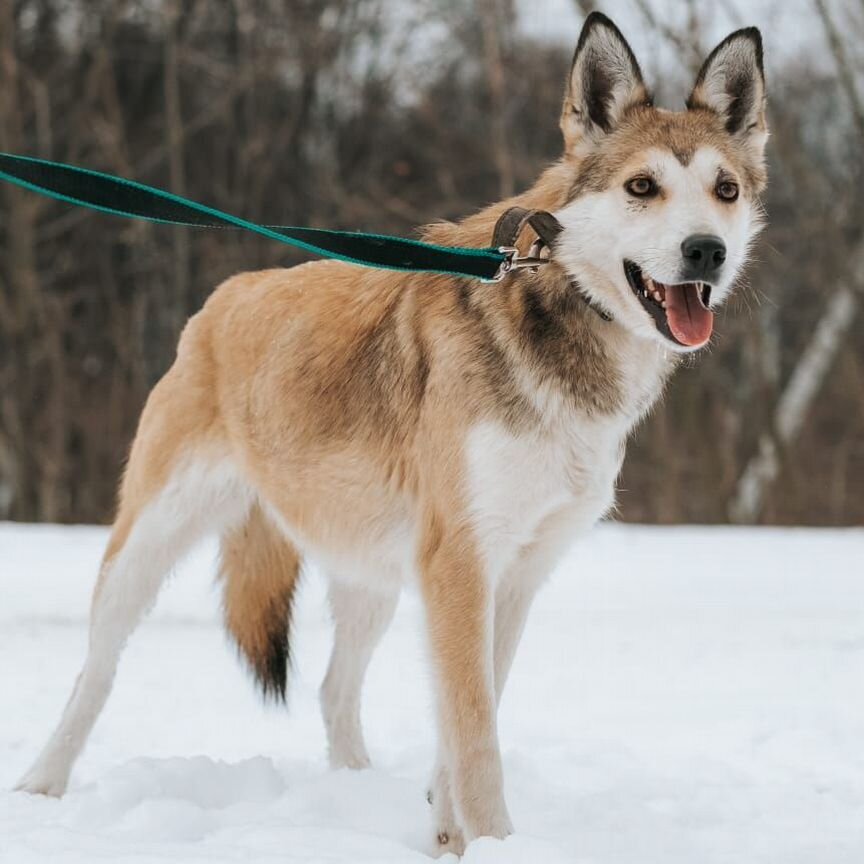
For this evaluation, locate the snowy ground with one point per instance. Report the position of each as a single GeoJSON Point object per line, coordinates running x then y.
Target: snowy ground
{"type": "Point", "coordinates": [682, 695]}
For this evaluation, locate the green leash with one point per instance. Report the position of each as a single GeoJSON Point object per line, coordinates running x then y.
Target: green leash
{"type": "Point", "coordinates": [123, 197]}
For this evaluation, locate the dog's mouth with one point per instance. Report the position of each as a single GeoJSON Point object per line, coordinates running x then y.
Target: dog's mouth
{"type": "Point", "coordinates": [681, 312]}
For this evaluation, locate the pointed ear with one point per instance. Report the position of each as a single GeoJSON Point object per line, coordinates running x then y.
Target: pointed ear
{"type": "Point", "coordinates": [732, 84]}
{"type": "Point", "coordinates": [605, 80]}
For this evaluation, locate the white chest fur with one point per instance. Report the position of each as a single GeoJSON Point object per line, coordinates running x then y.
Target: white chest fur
{"type": "Point", "coordinates": [518, 482]}
{"type": "Point", "coordinates": [563, 474]}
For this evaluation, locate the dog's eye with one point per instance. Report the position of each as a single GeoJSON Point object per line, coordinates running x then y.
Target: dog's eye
{"type": "Point", "coordinates": [727, 190]}
{"type": "Point", "coordinates": [642, 187]}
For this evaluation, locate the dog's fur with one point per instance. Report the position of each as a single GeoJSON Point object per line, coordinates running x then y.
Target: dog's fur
{"type": "Point", "coordinates": [392, 425]}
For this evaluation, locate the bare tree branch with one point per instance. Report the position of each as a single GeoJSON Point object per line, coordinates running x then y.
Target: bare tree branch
{"type": "Point", "coordinates": [844, 66]}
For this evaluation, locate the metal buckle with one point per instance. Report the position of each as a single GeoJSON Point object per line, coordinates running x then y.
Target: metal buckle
{"type": "Point", "coordinates": [512, 261]}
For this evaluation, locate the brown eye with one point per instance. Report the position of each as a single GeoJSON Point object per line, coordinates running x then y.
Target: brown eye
{"type": "Point", "coordinates": [642, 187]}
{"type": "Point", "coordinates": [727, 190]}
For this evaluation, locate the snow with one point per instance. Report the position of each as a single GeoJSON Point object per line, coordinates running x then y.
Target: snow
{"type": "Point", "coordinates": [681, 695]}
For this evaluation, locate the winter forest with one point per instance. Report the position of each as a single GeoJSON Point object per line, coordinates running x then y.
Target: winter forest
{"type": "Point", "coordinates": [382, 116]}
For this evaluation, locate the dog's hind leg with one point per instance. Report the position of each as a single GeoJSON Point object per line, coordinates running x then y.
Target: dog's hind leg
{"type": "Point", "coordinates": [360, 617]}
{"type": "Point", "coordinates": [176, 489]}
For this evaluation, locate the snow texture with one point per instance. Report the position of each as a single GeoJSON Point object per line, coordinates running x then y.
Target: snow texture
{"type": "Point", "coordinates": [681, 695]}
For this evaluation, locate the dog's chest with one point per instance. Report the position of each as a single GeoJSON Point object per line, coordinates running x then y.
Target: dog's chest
{"type": "Point", "coordinates": [518, 483]}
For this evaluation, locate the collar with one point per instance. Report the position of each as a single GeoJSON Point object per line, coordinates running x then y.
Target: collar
{"type": "Point", "coordinates": [547, 228]}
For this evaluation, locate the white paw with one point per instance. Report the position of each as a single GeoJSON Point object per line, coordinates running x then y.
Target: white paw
{"type": "Point", "coordinates": [452, 841]}
{"type": "Point", "coordinates": [449, 836]}
{"type": "Point", "coordinates": [40, 781]}
{"type": "Point", "coordinates": [346, 747]}
{"type": "Point", "coordinates": [356, 759]}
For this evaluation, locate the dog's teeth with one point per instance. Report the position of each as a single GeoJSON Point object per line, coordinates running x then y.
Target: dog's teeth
{"type": "Point", "coordinates": [656, 296]}
{"type": "Point", "coordinates": [663, 303]}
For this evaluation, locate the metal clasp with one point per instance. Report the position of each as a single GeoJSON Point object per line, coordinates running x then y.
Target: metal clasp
{"type": "Point", "coordinates": [512, 261]}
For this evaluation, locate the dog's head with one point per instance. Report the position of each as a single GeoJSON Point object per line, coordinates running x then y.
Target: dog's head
{"type": "Point", "coordinates": [662, 205]}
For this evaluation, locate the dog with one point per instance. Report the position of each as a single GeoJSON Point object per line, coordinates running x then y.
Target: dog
{"type": "Point", "coordinates": [458, 433]}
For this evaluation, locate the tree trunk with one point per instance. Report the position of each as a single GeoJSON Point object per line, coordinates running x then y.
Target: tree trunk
{"type": "Point", "coordinates": [794, 405]}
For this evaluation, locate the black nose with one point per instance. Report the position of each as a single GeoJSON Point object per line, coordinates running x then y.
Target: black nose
{"type": "Point", "coordinates": [704, 255]}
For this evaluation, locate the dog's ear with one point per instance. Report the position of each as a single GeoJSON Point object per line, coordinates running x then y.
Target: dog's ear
{"type": "Point", "coordinates": [605, 80]}
{"type": "Point", "coordinates": [732, 84]}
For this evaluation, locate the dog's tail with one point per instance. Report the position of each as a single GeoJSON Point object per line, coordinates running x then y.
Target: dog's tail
{"type": "Point", "coordinates": [260, 570]}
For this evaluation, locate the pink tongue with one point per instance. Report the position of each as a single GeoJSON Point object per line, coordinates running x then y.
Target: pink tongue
{"type": "Point", "coordinates": [690, 322]}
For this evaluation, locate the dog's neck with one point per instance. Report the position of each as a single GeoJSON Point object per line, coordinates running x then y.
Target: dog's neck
{"type": "Point", "coordinates": [575, 360]}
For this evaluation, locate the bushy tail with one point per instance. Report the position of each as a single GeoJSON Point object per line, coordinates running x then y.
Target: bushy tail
{"type": "Point", "coordinates": [260, 570]}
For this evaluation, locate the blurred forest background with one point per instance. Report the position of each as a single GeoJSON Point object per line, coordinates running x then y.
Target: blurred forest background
{"type": "Point", "coordinates": [381, 115]}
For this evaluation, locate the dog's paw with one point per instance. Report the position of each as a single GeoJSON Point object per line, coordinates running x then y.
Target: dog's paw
{"type": "Point", "coordinates": [354, 760]}
{"type": "Point", "coordinates": [450, 840]}
{"type": "Point", "coordinates": [40, 782]}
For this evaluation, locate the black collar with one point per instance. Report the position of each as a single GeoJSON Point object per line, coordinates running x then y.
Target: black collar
{"type": "Point", "coordinates": [547, 228]}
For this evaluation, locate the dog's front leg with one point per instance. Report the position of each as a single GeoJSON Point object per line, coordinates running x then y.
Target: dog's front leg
{"type": "Point", "coordinates": [459, 606]}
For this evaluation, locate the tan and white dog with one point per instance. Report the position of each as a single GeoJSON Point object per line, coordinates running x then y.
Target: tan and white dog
{"type": "Point", "coordinates": [397, 427]}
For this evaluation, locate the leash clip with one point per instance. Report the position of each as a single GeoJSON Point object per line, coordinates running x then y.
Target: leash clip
{"type": "Point", "coordinates": [512, 261]}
